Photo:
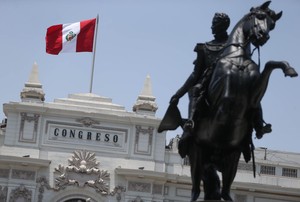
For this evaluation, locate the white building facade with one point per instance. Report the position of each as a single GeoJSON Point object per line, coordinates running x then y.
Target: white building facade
{"type": "Point", "coordinates": [86, 148]}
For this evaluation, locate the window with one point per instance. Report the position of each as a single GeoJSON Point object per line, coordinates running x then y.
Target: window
{"type": "Point", "coordinates": [268, 170]}
{"type": "Point", "coordinates": [289, 172]}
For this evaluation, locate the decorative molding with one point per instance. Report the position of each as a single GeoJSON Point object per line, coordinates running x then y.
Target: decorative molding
{"type": "Point", "coordinates": [82, 171]}
{"type": "Point", "coordinates": [138, 135]}
{"type": "Point", "coordinates": [87, 122]}
{"type": "Point", "coordinates": [20, 192]}
{"type": "Point", "coordinates": [26, 118]}
{"type": "Point", "coordinates": [83, 161]}
{"type": "Point", "coordinates": [23, 174]}
{"type": "Point", "coordinates": [139, 187]}
{"type": "Point", "coordinates": [3, 193]}
{"type": "Point", "coordinates": [42, 182]}
{"type": "Point", "coordinates": [117, 191]}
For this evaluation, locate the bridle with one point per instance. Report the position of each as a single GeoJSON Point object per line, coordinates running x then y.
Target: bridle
{"type": "Point", "coordinates": [254, 28]}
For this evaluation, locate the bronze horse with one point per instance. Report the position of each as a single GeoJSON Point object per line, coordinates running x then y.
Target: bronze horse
{"type": "Point", "coordinates": [223, 128]}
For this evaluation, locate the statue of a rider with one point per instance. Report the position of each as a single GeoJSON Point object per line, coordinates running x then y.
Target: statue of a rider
{"type": "Point", "coordinates": [197, 83]}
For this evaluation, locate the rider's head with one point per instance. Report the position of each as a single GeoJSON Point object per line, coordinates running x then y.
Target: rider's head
{"type": "Point", "coordinates": [220, 24]}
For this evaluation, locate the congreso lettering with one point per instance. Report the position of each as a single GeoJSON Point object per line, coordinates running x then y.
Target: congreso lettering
{"type": "Point", "coordinates": [87, 135]}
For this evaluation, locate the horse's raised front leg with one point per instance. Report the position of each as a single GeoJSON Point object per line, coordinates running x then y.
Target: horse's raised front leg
{"type": "Point", "coordinates": [261, 84]}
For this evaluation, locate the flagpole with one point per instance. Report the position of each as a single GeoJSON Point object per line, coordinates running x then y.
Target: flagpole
{"type": "Point", "coordinates": [94, 53]}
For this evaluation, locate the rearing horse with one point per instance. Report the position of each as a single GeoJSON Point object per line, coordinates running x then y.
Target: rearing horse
{"type": "Point", "coordinates": [224, 128]}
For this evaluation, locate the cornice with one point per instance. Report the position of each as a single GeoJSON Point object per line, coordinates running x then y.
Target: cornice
{"type": "Point", "coordinates": [266, 189]}
{"type": "Point", "coordinates": [50, 109]}
{"type": "Point", "coordinates": [157, 176]}
{"type": "Point", "coordinates": [24, 161]}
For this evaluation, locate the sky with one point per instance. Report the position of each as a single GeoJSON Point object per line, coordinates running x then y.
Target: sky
{"type": "Point", "coordinates": [137, 38]}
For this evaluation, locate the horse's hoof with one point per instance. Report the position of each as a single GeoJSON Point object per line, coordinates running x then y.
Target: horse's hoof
{"type": "Point", "coordinates": [213, 196]}
{"type": "Point", "coordinates": [291, 72]}
{"type": "Point", "coordinates": [226, 197]}
{"type": "Point", "coordinates": [195, 196]}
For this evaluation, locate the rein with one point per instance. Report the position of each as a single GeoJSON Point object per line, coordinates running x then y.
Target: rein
{"type": "Point", "coordinates": [231, 44]}
{"type": "Point", "coordinates": [242, 46]}
{"type": "Point", "coordinates": [255, 26]}
{"type": "Point", "coordinates": [258, 51]}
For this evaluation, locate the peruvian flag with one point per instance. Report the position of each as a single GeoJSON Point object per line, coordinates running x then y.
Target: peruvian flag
{"type": "Point", "coordinates": [72, 37]}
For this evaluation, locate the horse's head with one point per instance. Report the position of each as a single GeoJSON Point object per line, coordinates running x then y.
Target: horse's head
{"type": "Point", "coordinates": [259, 22]}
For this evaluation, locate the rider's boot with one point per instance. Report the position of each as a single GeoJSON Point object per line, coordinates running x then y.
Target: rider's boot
{"type": "Point", "coordinates": [183, 143]}
{"type": "Point", "coordinates": [261, 130]}
{"type": "Point", "coordinates": [188, 126]}
{"type": "Point", "coordinates": [260, 126]}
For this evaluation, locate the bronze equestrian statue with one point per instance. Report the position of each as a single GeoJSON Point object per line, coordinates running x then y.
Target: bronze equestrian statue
{"type": "Point", "coordinates": [225, 103]}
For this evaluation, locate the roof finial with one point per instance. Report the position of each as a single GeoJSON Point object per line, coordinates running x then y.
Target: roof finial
{"type": "Point", "coordinates": [147, 90]}
{"type": "Point", "coordinates": [145, 103]}
{"type": "Point", "coordinates": [33, 90]}
{"type": "Point", "coordinates": [34, 76]}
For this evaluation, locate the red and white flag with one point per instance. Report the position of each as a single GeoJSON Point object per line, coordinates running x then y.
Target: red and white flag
{"type": "Point", "coordinates": [72, 37]}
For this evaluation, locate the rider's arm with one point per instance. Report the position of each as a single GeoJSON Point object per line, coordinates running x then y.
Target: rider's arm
{"type": "Point", "coordinates": [194, 76]}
